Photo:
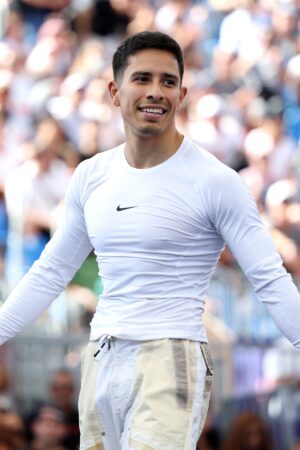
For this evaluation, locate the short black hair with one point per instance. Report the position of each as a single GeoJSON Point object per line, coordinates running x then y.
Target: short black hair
{"type": "Point", "coordinates": [142, 41]}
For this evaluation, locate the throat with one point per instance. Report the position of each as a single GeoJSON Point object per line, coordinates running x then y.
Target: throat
{"type": "Point", "coordinates": [151, 152]}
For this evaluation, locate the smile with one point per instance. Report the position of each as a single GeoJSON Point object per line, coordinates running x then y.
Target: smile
{"type": "Point", "coordinates": [151, 110]}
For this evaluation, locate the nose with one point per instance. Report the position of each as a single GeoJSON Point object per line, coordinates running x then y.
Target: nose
{"type": "Point", "coordinates": [155, 91]}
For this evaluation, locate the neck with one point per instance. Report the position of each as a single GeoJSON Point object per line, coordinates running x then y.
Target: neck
{"type": "Point", "coordinates": [142, 153]}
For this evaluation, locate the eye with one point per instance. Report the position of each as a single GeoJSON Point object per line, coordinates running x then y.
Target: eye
{"type": "Point", "coordinates": [169, 82]}
{"type": "Point", "coordinates": [141, 78]}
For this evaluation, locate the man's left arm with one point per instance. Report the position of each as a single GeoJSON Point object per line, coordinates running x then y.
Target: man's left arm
{"type": "Point", "coordinates": [236, 218]}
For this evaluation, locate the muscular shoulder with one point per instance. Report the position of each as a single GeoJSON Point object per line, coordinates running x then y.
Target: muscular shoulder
{"type": "Point", "coordinates": [91, 172]}
{"type": "Point", "coordinates": [99, 163]}
{"type": "Point", "coordinates": [207, 171]}
{"type": "Point", "coordinates": [219, 188]}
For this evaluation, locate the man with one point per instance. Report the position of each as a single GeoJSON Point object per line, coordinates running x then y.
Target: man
{"type": "Point", "coordinates": [157, 211]}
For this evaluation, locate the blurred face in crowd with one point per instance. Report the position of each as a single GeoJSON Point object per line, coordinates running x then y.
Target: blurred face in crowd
{"type": "Point", "coordinates": [248, 432]}
{"type": "Point", "coordinates": [11, 430]}
{"type": "Point", "coordinates": [62, 389]}
{"type": "Point", "coordinates": [254, 437]}
{"type": "Point", "coordinates": [49, 428]}
{"type": "Point", "coordinates": [149, 93]}
{"type": "Point", "coordinates": [44, 159]}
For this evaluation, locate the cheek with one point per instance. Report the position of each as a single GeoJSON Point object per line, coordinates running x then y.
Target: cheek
{"type": "Point", "coordinates": [127, 103]}
{"type": "Point", "coordinates": [126, 111]}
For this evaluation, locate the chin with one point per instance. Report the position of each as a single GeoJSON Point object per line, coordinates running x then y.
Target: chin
{"type": "Point", "coordinates": [149, 132]}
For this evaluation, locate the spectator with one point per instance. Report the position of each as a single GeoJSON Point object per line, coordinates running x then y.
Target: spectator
{"type": "Point", "coordinates": [109, 17]}
{"type": "Point", "coordinates": [14, 34]}
{"type": "Point", "coordinates": [62, 392]}
{"type": "Point", "coordinates": [48, 430]}
{"type": "Point", "coordinates": [12, 431]}
{"type": "Point", "coordinates": [248, 432]}
{"type": "Point", "coordinates": [59, 408]}
{"type": "Point", "coordinates": [53, 51]}
{"type": "Point", "coordinates": [35, 12]}
{"type": "Point", "coordinates": [284, 220]}
{"type": "Point", "coordinates": [214, 126]}
{"type": "Point", "coordinates": [42, 181]}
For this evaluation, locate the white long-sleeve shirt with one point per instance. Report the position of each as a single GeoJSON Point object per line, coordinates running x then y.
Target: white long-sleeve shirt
{"type": "Point", "coordinates": [157, 235]}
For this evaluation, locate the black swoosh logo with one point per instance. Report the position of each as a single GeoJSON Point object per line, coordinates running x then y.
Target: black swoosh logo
{"type": "Point", "coordinates": [127, 207]}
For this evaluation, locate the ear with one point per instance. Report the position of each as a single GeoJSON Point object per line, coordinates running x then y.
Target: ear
{"type": "Point", "coordinates": [183, 92]}
{"type": "Point", "coordinates": [113, 89]}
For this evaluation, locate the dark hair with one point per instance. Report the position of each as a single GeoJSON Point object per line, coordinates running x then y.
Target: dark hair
{"type": "Point", "coordinates": [142, 41]}
{"type": "Point", "coordinates": [236, 438]}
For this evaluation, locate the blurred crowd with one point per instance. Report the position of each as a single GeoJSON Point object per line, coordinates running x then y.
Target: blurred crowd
{"type": "Point", "coordinates": [243, 74]}
{"type": "Point", "coordinates": [50, 424]}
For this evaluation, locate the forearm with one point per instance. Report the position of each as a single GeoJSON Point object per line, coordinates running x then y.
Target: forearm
{"type": "Point", "coordinates": [32, 296]}
{"type": "Point", "coordinates": [282, 300]}
{"type": "Point", "coordinates": [241, 227]}
{"type": "Point", "coordinates": [272, 284]}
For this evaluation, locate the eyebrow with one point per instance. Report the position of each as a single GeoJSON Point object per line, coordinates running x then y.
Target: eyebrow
{"type": "Point", "coordinates": [149, 74]}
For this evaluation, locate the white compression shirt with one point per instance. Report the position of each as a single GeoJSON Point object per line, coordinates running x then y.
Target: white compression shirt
{"type": "Point", "coordinates": [157, 235]}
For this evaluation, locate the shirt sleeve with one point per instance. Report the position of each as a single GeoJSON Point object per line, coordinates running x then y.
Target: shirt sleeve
{"type": "Point", "coordinates": [235, 216]}
{"type": "Point", "coordinates": [50, 274]}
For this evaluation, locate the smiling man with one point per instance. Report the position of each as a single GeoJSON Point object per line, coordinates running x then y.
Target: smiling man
{"type": "Point", "coordinates": [148, 89]}
{"type": "Point", "coordinates": [157, 210]}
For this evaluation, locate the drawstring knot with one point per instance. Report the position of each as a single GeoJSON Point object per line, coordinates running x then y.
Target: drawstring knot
{"type": "Point", "coordinates": [105, 339]}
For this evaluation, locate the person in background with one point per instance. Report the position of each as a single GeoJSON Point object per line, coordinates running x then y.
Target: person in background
{"type": "Point", "coordinates": [248, 431]}
{"type": "Point", "coordinates": [62, 390]}
{"type": "Point", "coordinates": [42, 183]}
{"type": "Point", "coordinates": [12, 430]}
{"type": "Point", "coordinates": [61, 405]}
{"type": "Point", "coordinates": [48, 430]}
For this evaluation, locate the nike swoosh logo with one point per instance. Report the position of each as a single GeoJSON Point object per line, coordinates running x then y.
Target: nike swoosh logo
{"type": "Point", "coordinates": [127, 207]}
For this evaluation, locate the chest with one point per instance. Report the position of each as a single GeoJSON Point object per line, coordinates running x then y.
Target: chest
{"type": "Point", "coordinates": [136, 213]}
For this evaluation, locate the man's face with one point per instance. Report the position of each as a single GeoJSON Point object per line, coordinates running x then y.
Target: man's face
{"type": "Point", "coordinates": [149, 93]}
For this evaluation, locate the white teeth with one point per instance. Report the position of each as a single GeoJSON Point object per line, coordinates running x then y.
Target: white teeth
{"type": "Point", "coordinates": [152, 110]}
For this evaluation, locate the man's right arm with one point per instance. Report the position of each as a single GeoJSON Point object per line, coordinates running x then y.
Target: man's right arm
{"type": "Point", "coordinates": [48, 277]}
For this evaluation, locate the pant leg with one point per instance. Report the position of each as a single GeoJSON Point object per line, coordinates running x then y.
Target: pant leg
{"type": "Point", "coordinates": [172, 388]}
{"type": "Point", "coordinates": [148, 396]}
{"type": "Point", "coordinates": [106, 393]}
{"type": "Point", "coordinates": [91, 428]}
